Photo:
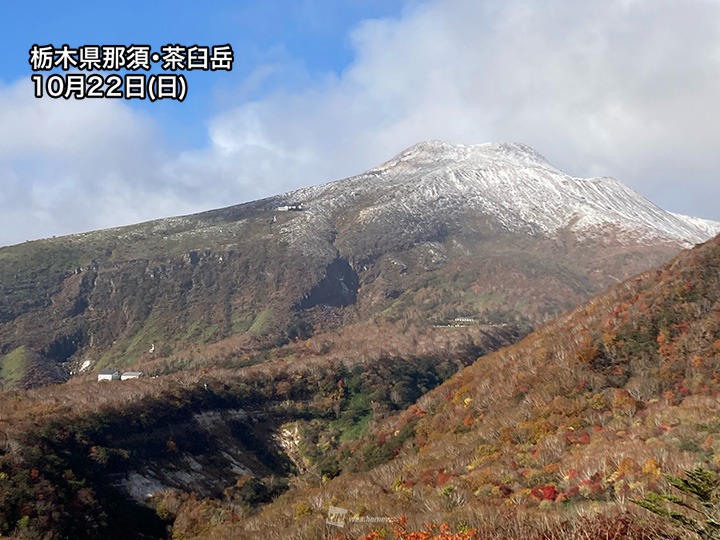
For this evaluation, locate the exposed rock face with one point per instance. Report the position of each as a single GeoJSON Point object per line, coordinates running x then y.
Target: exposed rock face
{"type": "Point", "coordinates": [338, 288]}
{"type": "Point", "coordinates": [203, 456]}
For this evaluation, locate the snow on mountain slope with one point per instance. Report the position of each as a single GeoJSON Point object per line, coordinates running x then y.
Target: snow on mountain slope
{"type": "Point", "coordinates": [509, 182]}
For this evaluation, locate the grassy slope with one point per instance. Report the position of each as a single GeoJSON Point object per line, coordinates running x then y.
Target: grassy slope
{"type": "Point", "coordinates": [13, 366]}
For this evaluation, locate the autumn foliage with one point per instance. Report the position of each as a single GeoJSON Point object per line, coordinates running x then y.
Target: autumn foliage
{"type": "Point", "coordinates": [552, 437]}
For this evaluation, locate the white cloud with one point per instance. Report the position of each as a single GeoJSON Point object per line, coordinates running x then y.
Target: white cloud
{"type": "Point", "coordinates": [624, 88]}
{"type": "Point", "coordinates": [627, 89]}
{"type": "Point", "coordinates": [68, 166]}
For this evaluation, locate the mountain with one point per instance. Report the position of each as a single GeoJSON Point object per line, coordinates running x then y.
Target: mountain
{"type": "Point", "coordinates": [552, 437]}
{"type": "Point", "coordinates": [517, 187]}
{"type": "Point", "coordinates": [312, 357]}
{"type": "Point", "coordinates": [491, 233]}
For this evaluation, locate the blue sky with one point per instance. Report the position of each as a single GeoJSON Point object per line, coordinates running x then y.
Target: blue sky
{"type": "Point", "coordinates": [304, 39]}
{"type": "Point", "coordinates": [323, 89]}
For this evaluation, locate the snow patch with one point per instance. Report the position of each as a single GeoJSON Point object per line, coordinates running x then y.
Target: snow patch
{"type": "Point", "coordinates": [141, 487]}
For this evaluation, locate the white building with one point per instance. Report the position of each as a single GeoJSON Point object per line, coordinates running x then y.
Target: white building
{"type": "Point", "coordinates": [109, 375]}
{"type": "Point", "coordinates": [297, 207]}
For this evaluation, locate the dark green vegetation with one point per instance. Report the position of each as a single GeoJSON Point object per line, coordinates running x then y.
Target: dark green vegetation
{"type": "Point", "coordinates": [693, 504]}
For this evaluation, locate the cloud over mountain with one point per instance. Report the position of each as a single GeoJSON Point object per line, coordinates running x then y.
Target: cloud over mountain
{"type": "Point", "coordinates": [623, 88]}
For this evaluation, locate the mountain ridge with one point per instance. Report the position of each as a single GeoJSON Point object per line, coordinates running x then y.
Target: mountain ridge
{"type": "Point", "coordinates": [491, 231]}
{"type": "Point", "coordinates": [483, 157]}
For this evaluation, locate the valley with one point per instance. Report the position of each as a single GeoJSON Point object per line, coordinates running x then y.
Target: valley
{"type": "Point", "coordinates": [463, 334]}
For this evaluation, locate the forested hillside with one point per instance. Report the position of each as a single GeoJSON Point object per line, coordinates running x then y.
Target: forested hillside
{"type": "Point", "coordinates": [556, 435]}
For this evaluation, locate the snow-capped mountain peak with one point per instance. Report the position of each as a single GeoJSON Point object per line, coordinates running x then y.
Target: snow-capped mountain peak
{"type": "Point", "coordinates": [509, 182]}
